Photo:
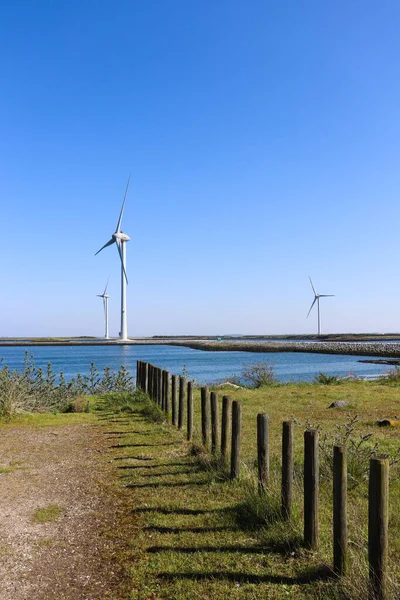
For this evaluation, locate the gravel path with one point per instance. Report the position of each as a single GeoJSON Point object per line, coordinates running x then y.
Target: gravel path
{"type": "Point", "coordinates": [68, 556]}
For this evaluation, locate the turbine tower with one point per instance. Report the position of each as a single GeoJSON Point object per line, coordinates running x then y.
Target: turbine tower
{"type": "Point", "coordinates": [316, 300]}
{"type": "Point", "coordinates": [105, 297]}
{"type": "Point", "coordinates": [119, 238]}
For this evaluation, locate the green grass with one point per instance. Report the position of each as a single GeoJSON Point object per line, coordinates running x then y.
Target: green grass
{"type": "Point", "coordinates": [47, 514]}
{"type": "Point", "coordinates": [197, 535]}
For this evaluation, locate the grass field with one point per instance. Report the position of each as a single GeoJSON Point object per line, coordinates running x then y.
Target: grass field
{"type": "Point", "coordinates": [205, 537]}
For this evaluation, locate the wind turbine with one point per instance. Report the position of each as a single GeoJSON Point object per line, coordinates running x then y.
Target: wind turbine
{"type": "Point", "coordinates": [316, 300]}
{"type": "Point", "coordinates": [105, 297]}
{"type": "Point", "coordinates": [119, 238]}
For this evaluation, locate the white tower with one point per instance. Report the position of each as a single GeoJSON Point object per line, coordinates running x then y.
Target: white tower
{"type": "Point", "coordinates": [316, 300]}
{"type": "Point", "coordinates": [105, 297]}
{"type": "Point", "coordinates": [120, 239]}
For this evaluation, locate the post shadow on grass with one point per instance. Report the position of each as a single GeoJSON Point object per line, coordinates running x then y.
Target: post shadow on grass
{"type": "Point", "coordinates": [141, 445]}
{"type": "Point", "coordinates": [178, 530]}
{"type": "Point", "coordinates": [157, 466]}
{"type": "Point", "coordinates": [172, 485]}
{"type": "Point", "coordinates": [134, 458]}
{"type": "Point", "coordinates": [164, 474]}
{"type": "Point", "coordinates": [320, 573]}
{"type": "Point", "coordinates": [176, 511]}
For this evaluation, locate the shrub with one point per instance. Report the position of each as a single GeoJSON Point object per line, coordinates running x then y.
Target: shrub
{"type": "Point", "coordinates": [325, 379]}
{"type": "Point", "coordinates": [37, 389]}
{"type": "Point", "coordinates": [258, 374]}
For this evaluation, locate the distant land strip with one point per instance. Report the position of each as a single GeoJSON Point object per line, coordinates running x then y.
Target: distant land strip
{"type": "Point", "coordinates": [333, 346]}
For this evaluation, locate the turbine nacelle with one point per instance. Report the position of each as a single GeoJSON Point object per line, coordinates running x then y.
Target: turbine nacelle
{"type": "Point", "coordinates": [120, 236]}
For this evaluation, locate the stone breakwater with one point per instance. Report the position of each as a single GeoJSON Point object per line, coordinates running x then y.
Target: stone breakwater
{"type": "Point", "coordinates": [351, 348]}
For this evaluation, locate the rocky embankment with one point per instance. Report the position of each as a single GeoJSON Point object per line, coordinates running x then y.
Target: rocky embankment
{"type": "Point", "coordinates": [354, 348]}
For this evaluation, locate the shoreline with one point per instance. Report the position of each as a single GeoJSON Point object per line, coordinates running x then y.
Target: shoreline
{"type": "Point", "coordinates": [377, 347]}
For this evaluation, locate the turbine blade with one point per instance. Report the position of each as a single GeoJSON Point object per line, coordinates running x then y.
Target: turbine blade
{"type": "Point", "coordinates": [112, 241]}
{"type": "Point", "coordinates": [122, 262]}
{"type": "Point", "coordinates": [123, 206]}
{"type": "Point", "coordinates": [105, 289]}
{"type": "Point", "coordinates": [326, 295]}
{"type": "Point", "coordinates": [104, 307]}
{"type": "Point", "coordinates": [99, 296]}
{"type": "Point", "coordinates": [315, 299]}
{"type": "Point", "coordinates": [312, 286]}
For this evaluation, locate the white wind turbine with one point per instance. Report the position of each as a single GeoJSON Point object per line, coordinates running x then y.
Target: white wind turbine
{"type": "Point", "coordinates": [316, 300]}
{"type": "Point", "coordinates": [105, 297]}
{"type": "Point", "coordinates": [120, 239]}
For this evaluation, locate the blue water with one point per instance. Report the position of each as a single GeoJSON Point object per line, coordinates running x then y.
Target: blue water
{"type": "Point", "coordinates": [203, 366]}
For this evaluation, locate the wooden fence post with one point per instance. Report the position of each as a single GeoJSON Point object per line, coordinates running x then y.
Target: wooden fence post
{"type": "Point", "coordinates": [181, 410]}
{"type": "Point", "coordinates": [163, 391]}
{"type": "Point", "coordinates": [150, 384]}
{"type": "Point", "coordinates": [137, 374]}
{"type": "Point", "coordinates": [378, 516]}
{"type": "Point", "coordinates": [205, 417]}
{"type": "Point", "coordinates": [189, 410]}
{"type": "Point", "coordinates": [287, 469]}
{"type": "Point", "coordinates": [214, 421]}
{"type": "Point", "coordinates": [155, 381]}
{"type": "Point", "coordinates": [311, 482]}
{"type": "Point", "coordinates": [146, 377]}
{"type": "Point", "coordinates": [167, 391]}
{"type": "Point", "coordinates": [160, 387]}
{"type": "Point", "coordinates": [174, 412]}
{"type": "Point", "coordinates": [340, 509]}
{"type": "Point", "coordinates": [262, 452]}
{"type": "Point", "coordinates": [236, 433]}
{"type": "Point", "coordinates": [225, 423]}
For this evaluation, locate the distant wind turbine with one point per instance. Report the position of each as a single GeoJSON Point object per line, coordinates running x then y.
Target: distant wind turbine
{"type": "Point", "coordinates": [316, 300]}
{"type": "Point", "coordinates": [120, 239]}
{"type": "Point", "coordinates": [105, 297]}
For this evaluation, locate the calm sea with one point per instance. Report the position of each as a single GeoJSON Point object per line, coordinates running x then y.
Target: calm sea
{"type": "Point", "coordinates": [201, 365]}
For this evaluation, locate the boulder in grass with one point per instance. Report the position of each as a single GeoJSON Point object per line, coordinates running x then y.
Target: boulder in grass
{"type": "Point", "coordinates": [339, 404]}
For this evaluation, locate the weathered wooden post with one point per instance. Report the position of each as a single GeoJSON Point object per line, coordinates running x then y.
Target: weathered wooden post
{"type": "Point", "coordinates": [160, 387]}
{"type": "Point", "coordinates": [150, 381]}
{"type": "Point", "coordinates": [214, 421]}
{"type": "Point", "coordinates": [378, 516]}
{"type": "Point", "coordinates": [205, 417]}
{"type": "Point", "coordinates": [225, 423]}
{"type": "Point", "coordinates": [311, 483]}
{"type": "Point", "coordinates": [189, 410]}
{"type": "Point", "coordinates": [174, 388]}
{"type": "Point", "coordinates": [182, 385]}
{"type": "Point", "coordinates": [155, 384]}
{"type": "Point", "coordinates": [236, 433]}
{"type": "Point", "coordinates": [145, 377]}
{"type": "Point", "coordinates": [137, 374]}
{"type": "Point", "coordinates": [163, 402]}
{"type": "Point", "coordinates": [262, 452]}
{"type": "Point", "coordinates": [167, 391]}
{"type": "Point", "coordinates": [287, 468]}
{"type": "Point", "coordinates": [340, 509]}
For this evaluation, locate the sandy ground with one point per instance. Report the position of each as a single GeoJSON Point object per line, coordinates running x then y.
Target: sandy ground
{"type": "Point", "coordinates": [69, 557]}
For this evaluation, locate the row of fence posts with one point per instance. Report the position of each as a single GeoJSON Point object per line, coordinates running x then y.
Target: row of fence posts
{"type": "Point", "coordinates": [170, 397]}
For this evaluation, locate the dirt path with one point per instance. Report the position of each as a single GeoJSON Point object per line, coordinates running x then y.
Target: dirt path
{"type": "Point", "coordinates": [66, 471]}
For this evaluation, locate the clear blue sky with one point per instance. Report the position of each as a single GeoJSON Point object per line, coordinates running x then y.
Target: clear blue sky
{"type": "Point", "coordinates": [263, 141]}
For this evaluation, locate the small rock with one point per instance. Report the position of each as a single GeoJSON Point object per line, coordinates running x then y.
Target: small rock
{"type": "Point", "coordinates": [339, 404]}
